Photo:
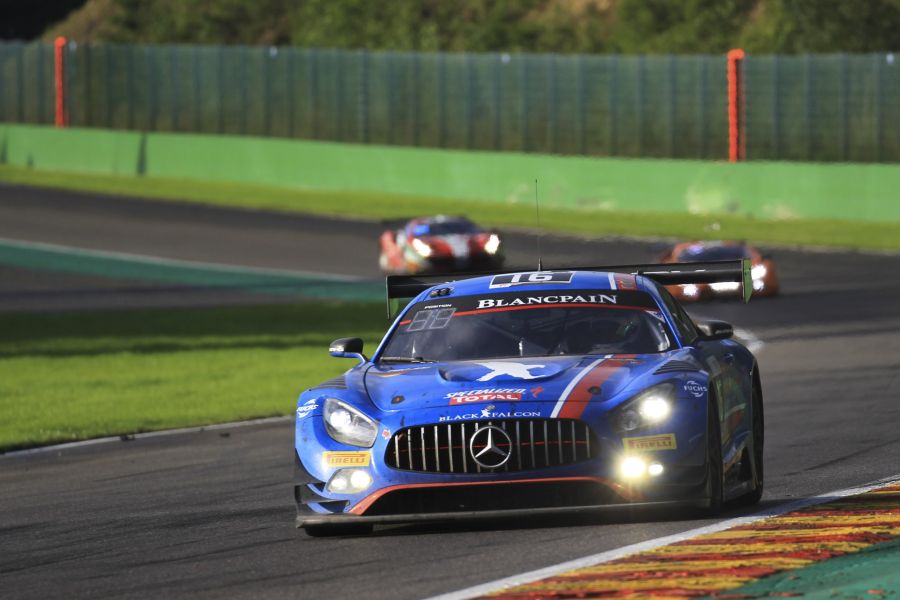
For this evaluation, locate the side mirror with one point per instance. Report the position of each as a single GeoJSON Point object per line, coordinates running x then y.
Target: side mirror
{"type": "Point", "coordinates": [717, 330]}
{"type": "Point", "coordinates": [347, 348]}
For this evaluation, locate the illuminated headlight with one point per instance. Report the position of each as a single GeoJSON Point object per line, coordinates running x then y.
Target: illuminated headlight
{"type": "Point", "coordinates": [349, 481]}
{"type": "Point", "coordinates": [758, 272]}
{"type": "Point", "coordinates": [725, 286]}
{"type": "Point", "coordinates": [347, 425]}
{"type": "Point", "coordinates": [493, 244]}
{"type": "Point", "coordinates": [651, 407]}
{"type": "Point", "coordinates": [655, 409]}
{"type": "Point", "coordinates": [632, 467]}
{"type": "Point", "coordinates": [655, 469]}
{"type": "Point", "coordinates": [421, 247]}
{"type": "Point", "coordinates": [690, 290]}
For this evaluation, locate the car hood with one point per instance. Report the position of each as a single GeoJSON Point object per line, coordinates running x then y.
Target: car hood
{"type": "Point", "coordinates": [538, 379]}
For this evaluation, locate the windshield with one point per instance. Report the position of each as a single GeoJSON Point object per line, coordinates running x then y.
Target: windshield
{"type": "Point", "coordinates": [703, 253]}
{"type": "Point", "coordinates": [445, 228]}
{"type": "Point", "coordinates": [529, 324]}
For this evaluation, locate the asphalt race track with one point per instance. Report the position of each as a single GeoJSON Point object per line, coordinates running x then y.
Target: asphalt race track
{"type": "Point", "coordinates": [210, 514]}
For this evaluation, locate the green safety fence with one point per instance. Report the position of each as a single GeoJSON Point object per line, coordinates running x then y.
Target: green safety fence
{"type": "Point", "coordinates": [812, 107]}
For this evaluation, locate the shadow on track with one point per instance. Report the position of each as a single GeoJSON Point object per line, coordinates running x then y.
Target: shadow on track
{"type": "Point", "coordinates": [618, 516]}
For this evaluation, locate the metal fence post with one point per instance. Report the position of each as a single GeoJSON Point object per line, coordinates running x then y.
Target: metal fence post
{"type": "Point", "coordinates": [736, 125]}
{"type": "Point", "coordinates": [59, 80]}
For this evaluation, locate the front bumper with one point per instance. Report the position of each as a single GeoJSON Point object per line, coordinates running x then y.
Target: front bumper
{"type": "Point", "coordinates": [595, 481]}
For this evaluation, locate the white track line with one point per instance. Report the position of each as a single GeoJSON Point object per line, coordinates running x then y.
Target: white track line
{"type": "Point", "coordinates": [173, 262]}
{"type": "Point", "coordinates": [151, 434]}
{"type": "Point", "coordinates": [603, 557]}
{"type": "Point", "coordinates": [753, 343]}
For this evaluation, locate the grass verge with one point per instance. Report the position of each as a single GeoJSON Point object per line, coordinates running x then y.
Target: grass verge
{"type": "Point", "coordinates": [75, 376]}
{"type": "Point", "coordinates": [815, 232]}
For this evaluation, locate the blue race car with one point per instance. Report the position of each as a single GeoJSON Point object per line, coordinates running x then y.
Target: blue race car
{"type": "Point", "coordinates": [522, 393]}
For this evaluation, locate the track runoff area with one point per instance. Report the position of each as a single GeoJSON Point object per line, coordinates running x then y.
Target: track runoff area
{"type": "Point", "coordinates": [841, 544]}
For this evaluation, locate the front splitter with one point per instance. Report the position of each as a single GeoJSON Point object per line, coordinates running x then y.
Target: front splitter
{"type": "Point", "coordinates": [476, 515]}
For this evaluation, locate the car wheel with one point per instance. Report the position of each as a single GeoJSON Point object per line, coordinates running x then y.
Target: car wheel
{"type": "Point", "coordinates": [714, 471]}
{"type": "Point", "coordinates": [759, 428]}
{"type": "Point", "coordinates": [333, 530]}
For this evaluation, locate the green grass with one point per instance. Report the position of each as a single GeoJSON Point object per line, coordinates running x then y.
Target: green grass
{"type": "Point", "coordinates": [79, 375]}
{"type": "Point", "coordinates": [816, 232]}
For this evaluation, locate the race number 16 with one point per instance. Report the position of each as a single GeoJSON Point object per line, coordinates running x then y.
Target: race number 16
{"type": "Point", "coordinates": [531, 278]}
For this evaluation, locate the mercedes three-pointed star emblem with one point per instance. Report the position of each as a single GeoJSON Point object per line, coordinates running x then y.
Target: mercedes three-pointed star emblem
{"type": "Point", "coordinates": [490, 447]}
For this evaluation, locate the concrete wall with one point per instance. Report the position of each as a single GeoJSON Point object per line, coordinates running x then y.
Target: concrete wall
{"type": "Point", "coordinates": [762, 189]}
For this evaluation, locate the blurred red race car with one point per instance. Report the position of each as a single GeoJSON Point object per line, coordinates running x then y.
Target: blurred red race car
{"type": "Point", "coordinates": [439, 244]}
{"type": "Point", "coordinates": [763, 270]}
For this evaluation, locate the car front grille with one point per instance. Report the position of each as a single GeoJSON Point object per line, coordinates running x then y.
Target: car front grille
{"type": "Point", "coordinates": [533, 444]}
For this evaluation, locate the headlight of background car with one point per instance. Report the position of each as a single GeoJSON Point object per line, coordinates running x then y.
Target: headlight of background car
{"type": "Point", "coordinates": [347, 425]}
{"type": "Point", "coordinates": [421, 247]}
{"type": "Point", "coordinates": [492, 244]}
{"type": "Point", "coordinates": [651, 407]}
{"type": "Point", "coordinates": [758, 272]}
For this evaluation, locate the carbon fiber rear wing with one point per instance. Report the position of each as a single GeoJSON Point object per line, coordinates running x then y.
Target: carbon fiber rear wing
{"type": "Point", "coordinates": [736, 271]}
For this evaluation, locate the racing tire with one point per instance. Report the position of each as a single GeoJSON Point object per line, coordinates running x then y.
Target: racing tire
{"type": "Point", "coordinates": [340, 529]}
{"type": "Point", "coordinates": [714, 471]}
{"type": "Point", "coordinates": [758, 432]}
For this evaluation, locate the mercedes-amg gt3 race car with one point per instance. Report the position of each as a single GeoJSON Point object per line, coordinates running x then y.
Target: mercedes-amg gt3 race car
{"type": "Point", "coordinates": [524, 393]}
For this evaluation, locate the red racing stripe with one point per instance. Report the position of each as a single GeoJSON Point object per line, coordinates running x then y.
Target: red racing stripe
{"type": "Point", "coordinates": [575, 403]}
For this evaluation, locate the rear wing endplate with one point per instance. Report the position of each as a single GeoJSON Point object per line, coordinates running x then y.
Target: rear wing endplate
{"type": "Point", "coordinates": [737, 271]}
